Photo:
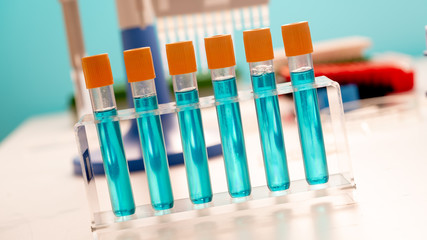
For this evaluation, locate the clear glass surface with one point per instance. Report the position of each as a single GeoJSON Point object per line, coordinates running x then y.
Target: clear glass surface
{"type": "Point", "coordinates": [184, 82]}
{"type": "Point", "coordinates": [223, 73]}
{"type": "Point", "coordinates": [143, 88]}
{"type": "Point", "coordinates": [102, 98]}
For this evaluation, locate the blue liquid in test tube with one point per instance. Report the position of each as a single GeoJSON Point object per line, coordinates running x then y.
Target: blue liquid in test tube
{"type": "Point", "coordinates": [260, 55]}
{"type": "Point", "coordinates": [141, 75]}
{"type": "Point", "coordinates": [298, 48]}
{"type": "Point", "coordinates": [310, 129]}
{"type": "Point", "coordinates": [99, 82]}
{"type": "Point", "coordinates": [271, 132]}
{"type": "Point", "coordinates": [194, 147]}
{"type": "Point", "coordinates": [233, 141]}
{"type": "Point", "coordinates": [182, 66]}
{"type": "Point", "coordinates": [221, 62]}
{"type": "Point", "coordinates": [115, 165]}
{"type": "Point", "coordinates": [154, 153]}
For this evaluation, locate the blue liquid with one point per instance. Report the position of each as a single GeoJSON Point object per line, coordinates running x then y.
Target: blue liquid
{"type": "Point", "coordinates": [271, 133]}
{"type": "Point", "coordinates": [194, 148]}
{"type": "Point", "coordinates": [310, 129]}
{"type": "Point", "coordinates": [233, 142]}
{"type": "Point", "coordinates": [115, 165]}
{"type": "Point", "coordinates": [154, 154]}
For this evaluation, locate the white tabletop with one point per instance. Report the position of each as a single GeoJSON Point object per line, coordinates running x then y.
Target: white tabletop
{"type": "Point", "coordinates": [41, 198]}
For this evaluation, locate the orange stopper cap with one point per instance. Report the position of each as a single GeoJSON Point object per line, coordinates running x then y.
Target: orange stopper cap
{"type": "Point", "coordinates": [97, 71]}
{"type": "Point", "coordinates": [220, 51]}
{"type": "Point", "coordinates": [139, 64]}
{"type": "Point", "coordinates": [297, 39]}
{"type": "Point", "coordinates": [258, 45]}
{"type": "Point", "coordinates": [181, 57]}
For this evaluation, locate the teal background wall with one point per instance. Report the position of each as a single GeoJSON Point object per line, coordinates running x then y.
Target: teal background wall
{"type": "Point", "coordinates": [34, 65]}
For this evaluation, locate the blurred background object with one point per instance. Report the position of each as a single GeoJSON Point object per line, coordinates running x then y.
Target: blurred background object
{"type": "Point", "coordinates": [37, 57]}
{"type": "Point", "coordinates": [76, 50]}
{"type": "Point", "coordinates": [359, 75]}
{"type": "Point", "coordinates": [425, 52]}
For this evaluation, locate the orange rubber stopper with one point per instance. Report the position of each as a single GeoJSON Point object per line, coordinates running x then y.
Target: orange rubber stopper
{"type": "Point", "coordinates": [258, 45]}
{"type": "Point", "coordinates": [97, 71]}
{"type": "Point", "coordinates": [181, 58]}
{"type": "Point", "coordinates": [220, 51]}
{"type": "Point", "coordinates": [297, 39]}
{"type": "Point", "coordinates": [139, 64]}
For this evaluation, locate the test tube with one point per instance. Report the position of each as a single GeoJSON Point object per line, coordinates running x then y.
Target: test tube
{"type": "Point", "coordinates": [99, 81]}
{"type": "Point", "coordinates": [259, 54]}
{"type": "Point", "coordinates": [141, 75]}
{"type": "Point", "coordinates": [183, 68]}
{"type": "Point", "coordinates": [221, 62]}
{"type": "Point", "coordinates": [298, 48]}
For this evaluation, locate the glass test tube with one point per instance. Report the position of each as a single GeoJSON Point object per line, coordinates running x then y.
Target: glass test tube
{"type": "Point", "coordinates": [259, 54]}
{"type": "Point", "coordinates": [298, 48]}
{"type": "Point", "coordinates": [99, 81]}
{"type": "Point", "coordinates": [221, 62]}
{"type": "Point", "coordinates": [140, 73]}
{"type": "Point", "coordinates": [182, 67]}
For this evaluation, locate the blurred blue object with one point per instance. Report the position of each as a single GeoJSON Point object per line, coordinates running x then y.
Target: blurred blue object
{"type": "Point", "coordinates": [349, 93]}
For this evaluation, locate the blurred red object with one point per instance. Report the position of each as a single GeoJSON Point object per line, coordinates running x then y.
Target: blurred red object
{"type": "Point", "coordinates": [372, 78]}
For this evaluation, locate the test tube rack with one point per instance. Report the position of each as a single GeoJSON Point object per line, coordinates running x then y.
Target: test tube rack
{"type": "Point", "coordinates": [105, 224]}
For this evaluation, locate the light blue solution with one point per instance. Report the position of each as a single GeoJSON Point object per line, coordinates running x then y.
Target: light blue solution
{"type": "Point", "coordinates": [115, 165]}
{"type": "Point", "coordinates": [154, 153]}
{"type": "Point", "coordinates": [194, 148]}
{"type": "Point", "coordinates": [232, 139]}
{"type": "Point", "coordinates": [271, 132]}
{"type": "Point", "coordinates": [310, 129]}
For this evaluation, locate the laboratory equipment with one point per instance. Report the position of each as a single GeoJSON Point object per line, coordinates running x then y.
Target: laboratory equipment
{"type": "Point", "coordinates": [138, 29]}
{"type": "Point", "coordinates": [193, 20]}
{"type": "Point", "coordinates": [76, 49]}
{"type": "Point", "coordinates": [259, 55]}
{"type": "Point", "coordinates": [99, 81]}
{"type": "Point", "coordinates": [149, 223]}
{"type": "Point", "coordinates": [182, 67]}
{"type": "Point", "coordinates": [221, 62]}
{"type": "Point", "coordinates": [298, 48]}
{"type": "Point", "coordinates": [147, 23]}
{"type": "Point", "coordinates": [140, 73]}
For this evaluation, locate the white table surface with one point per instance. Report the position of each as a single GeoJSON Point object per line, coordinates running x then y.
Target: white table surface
{"type": "Point", "coordinates": [41, 198]}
